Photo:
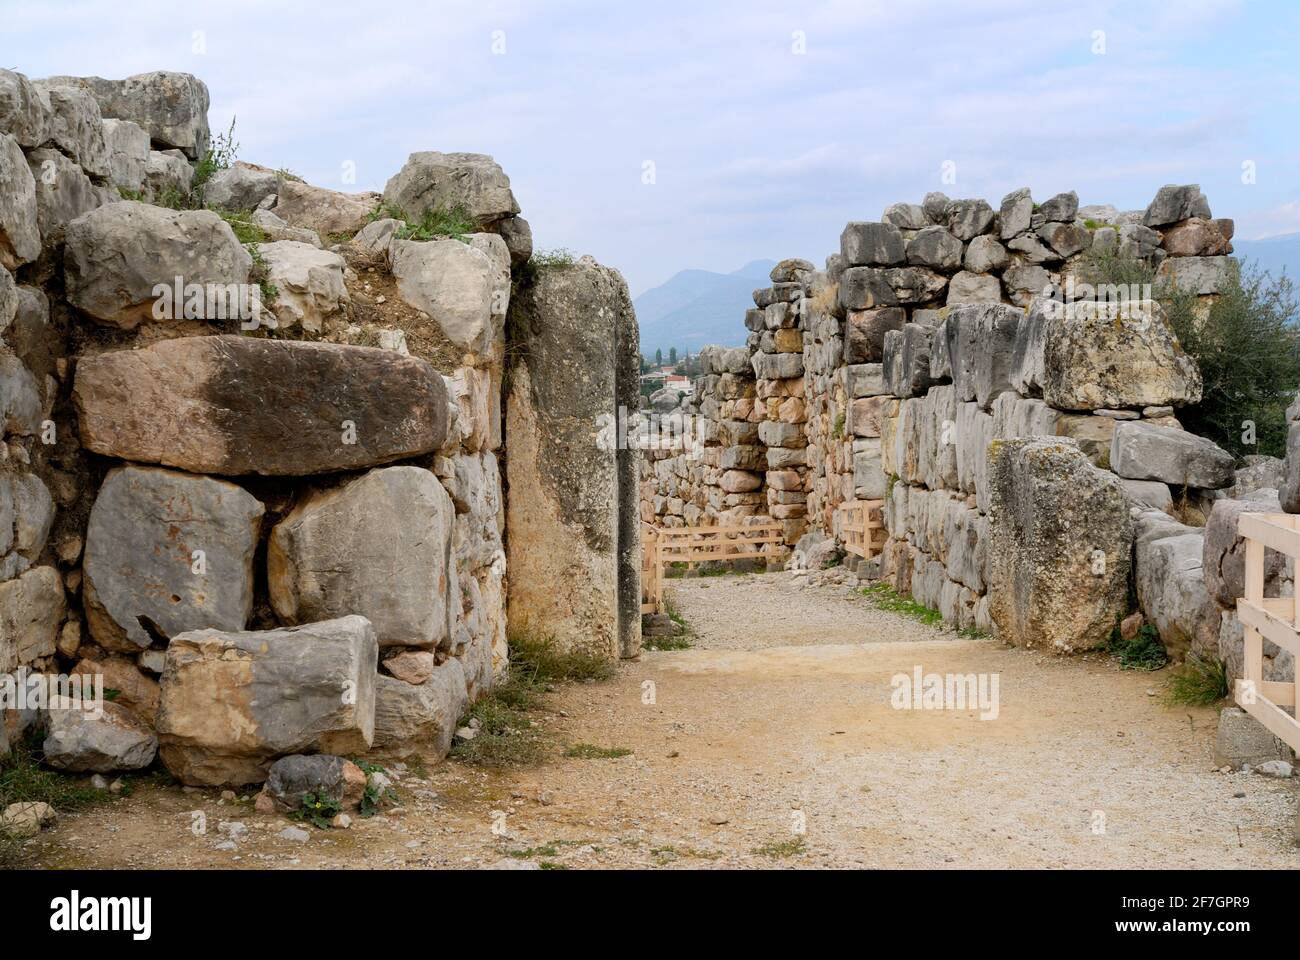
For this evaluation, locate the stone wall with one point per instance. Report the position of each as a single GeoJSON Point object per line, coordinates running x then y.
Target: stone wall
{"type": "Point", "coordinates": [1020, 424]}
{"type": "Point", "coordinates": [271, 461]}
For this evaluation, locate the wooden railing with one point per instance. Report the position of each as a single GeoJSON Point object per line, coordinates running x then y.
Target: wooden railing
{"type": "Point", "coordinates": [862, 527]}
{"type": "Point", "coordinates": [1277, 618]}
{"type": "Point", "coordinates": [661, 546]}
{"type": "Point", "coordinates": [652, 572]}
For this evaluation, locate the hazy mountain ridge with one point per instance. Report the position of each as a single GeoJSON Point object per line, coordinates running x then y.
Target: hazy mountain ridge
{"type": "Point", "coordinates": [698, 307]}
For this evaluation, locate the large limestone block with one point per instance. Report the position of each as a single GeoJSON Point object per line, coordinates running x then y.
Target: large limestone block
{"type": "Point", "coordinates": [63, 193]}
{"type": "Point", "coordinates": [574, 550]}
{"type": "Point", "coordinates": [981, 348]}
{"type": "Point", "coordinates": [172, 107]}
{"type": "Point", "coordinates": [864, 333]}
{"type": "Point", "coordinates": [1115, 356]}
{"type": "Point", "coordinates": [1173, 203]}
{"type": "Point", "coordinates": [1199, 275]}
{"type": "Point", "coordinates": [128, 154]}
{"type": "Point", "coordinates": [26, 514]}
{"type": "Point", "coordinates": [1060, 538]}
{"type": "Point", "coordinates": [379, 547]}
{"type": "Point", "coordinates": [167, 176]}
{"type": "Point", "coordinates": [76, 126]}
{"type": "Point", "coordinates": [202, 404]}
{"type": "Point", "coordinates": [31, 612]}
{"type": "Point", "coordinates": [1171, 591]}
{"type": "Point", "coordinates": [232, 703]}
{"type": "Point", "coordinates": [24, 110]}
{"type": "Point", "coordinates": [410, 717]}
{"type": "Point", "coordinates": [20, 239]}
{"type": "Point", "coordinates": [118, 255]}
{"type": "Point", "coordinates": [472, 182]}
{"type": "Point", "coordinates": [865, 243]}
{"type": "Point", "coordinates": [325, 211]}
{"type": "Point", "coordinates": [907, 359]}
{"type": "Point", "coordinates": [1145, 451]}
{"type": "Point", "coordinates": [168, 552]}
{"type": "Point", "coordinates": [78, 740]}
{"type": "Point", "coordinates": [465, 289]}
{"type": "Point", "coordinates": [311, 291]}
{"type": "Point", "coordinates": [241, 186]}
{"type": "Point", "coordinates": [1224, 559]}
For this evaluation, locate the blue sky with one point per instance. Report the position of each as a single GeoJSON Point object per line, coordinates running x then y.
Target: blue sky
{"type": "Point", "coordinates": [759, 150]}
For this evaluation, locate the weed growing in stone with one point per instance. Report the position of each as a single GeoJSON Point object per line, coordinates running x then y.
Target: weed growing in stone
{"type": "Point", "coordinates": [452, 222]}
{"type": "Point", "coordinates": [1143, 652]}
{"type": "Point", "coordinates": [318, 810]}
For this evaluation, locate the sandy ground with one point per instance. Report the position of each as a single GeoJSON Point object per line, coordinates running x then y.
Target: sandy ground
{"type": "Point", "coordinates": [772, 743]}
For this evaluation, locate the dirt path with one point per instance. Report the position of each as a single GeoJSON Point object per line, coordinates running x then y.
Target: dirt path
{"type": "Point", "coordinates": [778, 718]}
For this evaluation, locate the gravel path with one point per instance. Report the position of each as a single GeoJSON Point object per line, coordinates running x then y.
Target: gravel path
{"type": "Point", "coordinates": [779, 719]}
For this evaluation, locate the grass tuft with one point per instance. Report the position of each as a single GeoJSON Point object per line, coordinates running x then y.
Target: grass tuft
{"type": "Point", "coordinates": [1198, 682]}
{"type": "Point", "coordinates": [780, 850]}
{"type": "Point", "coordinates": [1143, 652]}
{"type": "Point", "coordinates": [589, 751]}
{"type": "Point", "coordinates": [507, 734]}
{"type": "Point", "coordinates": [885, 597]}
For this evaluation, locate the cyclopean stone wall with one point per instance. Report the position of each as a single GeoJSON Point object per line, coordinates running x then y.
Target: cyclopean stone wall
{"type": "Point", "coordinates": [1023, 436]}
{"type": "Point", "coordinates": [255, 487]}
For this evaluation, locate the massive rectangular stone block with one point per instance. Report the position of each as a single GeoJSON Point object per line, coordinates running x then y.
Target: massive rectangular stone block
{"type": "Point", "coordinates": [232, 703]}
{"type": "Point", "coordinates": [237, 405]}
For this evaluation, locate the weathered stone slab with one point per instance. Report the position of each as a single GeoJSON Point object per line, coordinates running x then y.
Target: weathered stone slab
{"type": "Point", "coordinates": [981, 346]}
{"type": "Point", "coordinates": [128, 154]}
{"type": "Point", "coordinates": [237, 405]}
{"type": "Point", "coordinates": [1060, 537]}
{"type": "Point", "coordinates": [311, 291]}
{"type": "Point", "coordinates": [20, 239]}
{"type": "Point", "coordinates": [1114, 356]}
{"type": "Point", "coordinates": [24, 110]}
{"type": "Point", "coordinates": [241, 186]}
{"type": "Point", "coordinates": [325, 211]}
{"type": "Point", "coordinates": [1144, 451]}
{"type": "Point", "coordinates": [118, 255]}
{"type": "Point", "coordinates": [465, 289]}
{"type": "Point", "coordinates": [79, 740]}
{"type": "Point", "coordinates": [1170, 581]}
{"type": "Point", "coordinates": [168, 552]}
{"type": "Point", "coordinates": [867, 243]}
{"type": "Point", "coordinates": [473, 182]}
{"type": "Point", "coordinates": [172, 107]}
{"type": "Point", "coordinates": [76, 125]}
{"type": "Point", "coordinates": [571, 495]}
{"type": "Point", "coordinates": [1224, 559]}
{"type": "Point", "coordinates": [411, 717]}
{"type": "Point", "coordinates": [31, 612]}
{"type": "Point", "coordinates": [232, 703]}
{"type": "Point", "coordinates": [379, 547]}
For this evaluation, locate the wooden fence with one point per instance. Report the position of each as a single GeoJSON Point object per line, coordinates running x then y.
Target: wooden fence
{"type": "Point", "coordinates": [862, 527]}
{"type": "Point", "coordinates": [1277, 618]}
{"type": "Point", "coordinates": [661, 546]}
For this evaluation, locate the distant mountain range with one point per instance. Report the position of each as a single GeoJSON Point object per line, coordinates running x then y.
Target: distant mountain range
{"type": "Point", "coordinates": [698, 307]}
{"type": "Point", "coordinates": [1273, 254]}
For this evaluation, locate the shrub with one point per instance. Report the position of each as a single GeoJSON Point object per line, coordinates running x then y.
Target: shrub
{"type": "Point", "coordinates": [1246, 347]}
{"type": "Point", "coordinates": [1247, 350]}
{"type": "Point", "coordinates": [452, 222]}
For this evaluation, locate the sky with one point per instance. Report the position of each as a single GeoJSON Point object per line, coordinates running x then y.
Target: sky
{"type": "Point", "coordinates": [708, 134]}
